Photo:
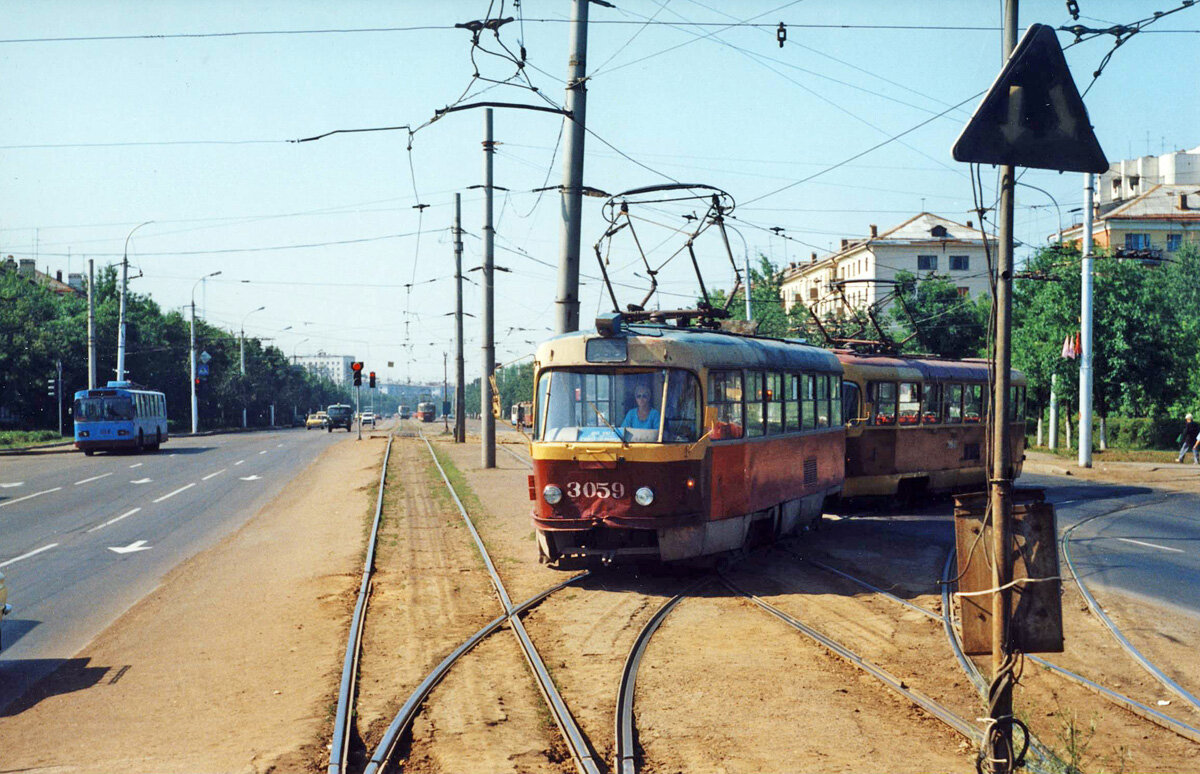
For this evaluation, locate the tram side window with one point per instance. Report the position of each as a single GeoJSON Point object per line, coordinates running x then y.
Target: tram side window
{"type": "Point", "coordinates": [973, 403]}
{"type": "Point", "coordinates": [823, 400]}
{"type": "Point", "coordinates": [910, 404]}
{"type": "Point", "coordinates": [808, 400]}
{"type": "Point", "coordinates": [952, 403]}
{"type": "Point", "coordinates": [850, 409]}
{"type": "Point", "coordinates": [774, 398]}
{"type": "Point", "coordinates": [1016, 404]}
{"type": "Point", "coordinates": [754, 403]}
{"type": "Point", "coordinates": [930, 399]}
{"type": "Point", "coordinates": [683, 401]}
{"type": "Point", "coordinates": [835, 400]}
{"type": "Point", "coordinates": [725, 395]}
{"type": "Point", "coordinates": [885, 402]}
{"type": "Point", "coordinates": [791, 402]}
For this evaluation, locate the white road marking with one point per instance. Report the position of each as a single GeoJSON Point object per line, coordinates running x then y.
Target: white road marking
{"type": "Point", "coordinates": [239, 462]}
{"type": "Point", "coordinates": [137, 545]}
{"type": "Point", "coordinates": [93, 478]}
{"type": "Point", "coordinates": [278, 446]}
{"type": "Point", "coordinates": [210, 475]}
{"type": "Point", "coordinates": [114, 521]}
{"type": "Point", "coordinates": [10, 486]}
{"type": "Point", "coordinates": [170, 455]}
{"type": "Point", "coordinates": [141, 481]}
{"type": "Point", "coordinates": [264, 451]}
{"type": "Point", "coordinates": [26, 556]}
{"type": "Point", "coordinates": [1152, 545]}
{"type": "Point", "coordinates": [251, 478]}
{"type": "Point", "coordinates": [177, 491]}
{"type": "Point", "coordinates": [136, 465]}
{"type": "Point", "coordinates": [29, 497]}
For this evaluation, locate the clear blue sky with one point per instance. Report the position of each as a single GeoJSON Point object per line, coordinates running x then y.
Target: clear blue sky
{"type": "Point", "coordinates": [191, 133]}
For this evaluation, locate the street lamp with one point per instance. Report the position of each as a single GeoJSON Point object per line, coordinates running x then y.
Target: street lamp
{"type": "Point", "coordinates": [295, 347]}
{"type": "Point", "coordinates": [195, 404]}
{"type": "Point", "coordinates": [121, 314]}
{"type": "Point", "coordinates": [243, 355]}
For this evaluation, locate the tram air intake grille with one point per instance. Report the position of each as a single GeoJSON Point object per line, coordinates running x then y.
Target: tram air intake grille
{"type": "Point", "coordinates": [810, 470]}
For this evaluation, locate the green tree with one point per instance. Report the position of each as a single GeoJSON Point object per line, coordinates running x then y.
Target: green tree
{"type": "Point", "coordinates": [942, 322]}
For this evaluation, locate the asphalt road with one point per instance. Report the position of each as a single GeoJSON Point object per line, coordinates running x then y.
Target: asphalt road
{"type": "Point", "coordinates": [84, 538]}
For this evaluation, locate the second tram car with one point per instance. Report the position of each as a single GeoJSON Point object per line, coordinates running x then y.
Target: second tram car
{"type": "Point", "coordinates": [668, 443]}
{"type": "Point", "coordinates": [426, 412]}
{"type": "Point", "coordinates": [919, 424]}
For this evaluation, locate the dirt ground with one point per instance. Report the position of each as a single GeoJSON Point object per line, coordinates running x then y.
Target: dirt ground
{"type": "Point", "coordinates": [197, 680]}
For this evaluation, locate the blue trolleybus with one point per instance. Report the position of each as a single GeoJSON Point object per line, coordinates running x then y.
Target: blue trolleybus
{"type": "Point", "coordinates": [121, 415]}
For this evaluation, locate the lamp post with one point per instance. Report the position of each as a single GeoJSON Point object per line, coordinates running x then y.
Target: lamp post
{"type": "Point", "coordinates": [195, 404]}
{"type": "Point", "coordinates": [294, 348]}
{"type": "Point", "coordinates": [121, 314]}
{"type": "Point", "coordinates": [242, 356]}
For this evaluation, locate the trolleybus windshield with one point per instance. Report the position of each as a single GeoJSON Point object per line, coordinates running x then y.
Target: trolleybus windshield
{"type": "Point", "coordinates": [103, 409]}
{"type": "Point", "coordinates": [626, 405]}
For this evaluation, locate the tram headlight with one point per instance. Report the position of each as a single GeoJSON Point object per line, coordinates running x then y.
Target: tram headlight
{"type": "Point", "coordinates": [644, 495]}
{"type": "Point", "coordinates": [552, 494]}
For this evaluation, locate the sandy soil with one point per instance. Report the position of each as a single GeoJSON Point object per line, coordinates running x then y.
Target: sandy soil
{"type": "Point", "coordinates": [231, 664]}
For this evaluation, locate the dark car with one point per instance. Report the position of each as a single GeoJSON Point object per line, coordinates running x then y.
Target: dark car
{"type": "Point", "coordinates": [340, 415]}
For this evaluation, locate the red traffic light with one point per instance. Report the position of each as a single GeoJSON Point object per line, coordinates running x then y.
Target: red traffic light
{"type": "Point", "coordinates": [372, 382]}
{"type": "Point", "coordinates": [356, 365]}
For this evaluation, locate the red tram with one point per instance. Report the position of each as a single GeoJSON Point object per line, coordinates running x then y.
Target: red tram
{"type": "Point", "coordinates": [668, 443]}
{"type": "Point", "coordinates": [919, 424]}
{"type": "Point", "coordinates": [426, 412]}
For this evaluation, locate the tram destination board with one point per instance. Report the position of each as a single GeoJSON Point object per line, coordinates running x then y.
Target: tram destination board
{"type": "Point", "coordinates": [1036, 595]}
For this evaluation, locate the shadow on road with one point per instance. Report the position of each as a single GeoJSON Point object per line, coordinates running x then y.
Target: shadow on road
{"type": "Point", "coordinates": [66, 676]}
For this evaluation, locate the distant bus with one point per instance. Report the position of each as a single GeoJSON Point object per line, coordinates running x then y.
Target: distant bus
{"type": "Point", "coordinates": [426, 412]}
{"type": "Point", "coordinates": [121, 415]}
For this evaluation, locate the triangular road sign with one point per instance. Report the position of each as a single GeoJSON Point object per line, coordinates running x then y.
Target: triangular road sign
{"type": "Point", "coordinates": [1033, 115]}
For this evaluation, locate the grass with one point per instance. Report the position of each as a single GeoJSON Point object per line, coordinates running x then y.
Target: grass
{"type": "Point", "coordinates": [20, 438]}
{"type": "Point", "coordinates": [1115, 455]}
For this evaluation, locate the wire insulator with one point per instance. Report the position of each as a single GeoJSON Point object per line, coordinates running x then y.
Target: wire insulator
{"type": "Point", "coordinates": [781, 34]}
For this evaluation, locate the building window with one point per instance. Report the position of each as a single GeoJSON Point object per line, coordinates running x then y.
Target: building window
{"type": "Point", "coordinates": [1174, 242]}
{"type": "Point", "coordinates": [963, 292]}
{"type": "Point", "coordinates": [812, 294]}
{"type": "Point", "coordinates": [1137, 241]}
{"type": "Point", "coordinates": [926, 263]}
{"type": "Point", "coordinates": [960, 262]}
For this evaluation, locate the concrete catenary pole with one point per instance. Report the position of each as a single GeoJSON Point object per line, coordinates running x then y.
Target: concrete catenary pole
{"type": "Point", "coordinates": [567, 302]}
{"type": "Point", "coordinates": [460, 419]}
{"type": "Point", "coordinates": [1000, 468]}
{"type": "Point", "coordinates": [1085, 332]}
{"type": "Point", "coordinates": [91, 332]}
{"type": "Point", "coordinates": [195, 403]}
{"type": "Point", "coordinates": [1053, 440]}
{"type": "Point", "coordinates": [487, 420]}
{"type": "Point", "coordinates": [121, 320]}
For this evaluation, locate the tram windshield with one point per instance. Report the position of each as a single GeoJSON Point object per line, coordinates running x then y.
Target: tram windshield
{"type": "Point", "coordinates": [629, 405]}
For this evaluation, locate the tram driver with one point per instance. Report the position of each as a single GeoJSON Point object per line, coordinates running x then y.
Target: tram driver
{"type": "Point", "coordinates": [642, 416]}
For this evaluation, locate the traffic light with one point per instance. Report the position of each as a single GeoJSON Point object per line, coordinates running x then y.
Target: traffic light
{"type": "Point", "coordinates": [372, 382]}
{"type": "Point", "coordinates": [50, 384]}
{"type": "Point", "coordinates": [357, 367]}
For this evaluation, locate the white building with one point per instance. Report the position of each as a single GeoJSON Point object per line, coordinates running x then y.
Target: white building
{"type": "Point", "coordinates": [336, 368]}
{"type": "Point", "coordinates": [1134, 177]}
{"type": "Point", "coordinates": [923, 245]}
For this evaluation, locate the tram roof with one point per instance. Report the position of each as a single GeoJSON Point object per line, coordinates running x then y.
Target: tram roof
{"type": "Point", "coordinates": [929, 368]}
{"type": "Point", "coordinates": [691, 348]}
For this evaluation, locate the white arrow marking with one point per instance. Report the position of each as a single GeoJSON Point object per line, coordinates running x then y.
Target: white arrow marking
{"type": "Point", "coordinates": [93, 478]}
{"type": "Point", "coordinates": [136, 465]}
{"type": "Point", "coordinates": [10, 486]}
{"type": "Point", "coordinates": [142, 481]}
{"type": "Point", "coordinates": [278, 446]}
{"type": "Point", "coordinates": [264, 451]}
{"type": "Point", "coordinates": [210, 475]}
{"type": "Point", "coordinates": [1151, 545]}
{"type": "Point", "coordinates": [239, 462]}
{"type": "Point", "coordinates": [29, 497]}
{"type": "Point", "coordinates": [251, 478]}
{"type": "Point", "coordinates": [137, 545]}
{"type": "Point", "coordinates": [26, 556]}
{"type": "Point", "coordinates": [177, 491]}
{"type": "Point", "coordinates": [114, 521]}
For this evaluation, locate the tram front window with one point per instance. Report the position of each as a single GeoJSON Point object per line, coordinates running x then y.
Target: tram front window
{"type": "Point", "coordinates": [611, 405]}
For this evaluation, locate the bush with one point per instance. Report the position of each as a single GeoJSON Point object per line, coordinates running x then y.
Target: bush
{"type": "Point", "coordinates": [1133, 433]}
{"type": "Point", "coordinates": [27, 437]}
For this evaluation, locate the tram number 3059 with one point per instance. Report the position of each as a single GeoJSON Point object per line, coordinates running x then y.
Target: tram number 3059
{"type": "Point", "coordinates": [596, 489]}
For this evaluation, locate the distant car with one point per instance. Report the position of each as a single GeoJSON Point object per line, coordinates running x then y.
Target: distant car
{"type": "Point", "coordinates": [318, 420]}
{"type": "Point", "coordinates": [5, 608]}
{"type": "Point", "coordinates": [368, 418]}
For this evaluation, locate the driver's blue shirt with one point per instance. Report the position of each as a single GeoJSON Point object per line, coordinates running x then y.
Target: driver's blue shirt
{"type": "Point", "coordinates": [649, 423]}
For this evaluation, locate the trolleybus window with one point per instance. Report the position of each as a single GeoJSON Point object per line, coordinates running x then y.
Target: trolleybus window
{"type": "Point", "coordinates": [952, 403]}
{"type": "Point", "coordinates": [808, 400]}
{"type": "Point", "coordinates": [973, 403]}
{"type": "Point", "coordinates": [910, 404]}
{"type": "Point", "coordinates": [774, 404]}
{"type": "Point", "coordinates": [851, 413]}
{"type": "Point", "coordinates": [931, 399]}
{"type": "Point", "coordinates": [611, 405]}
{"type": "Point", "coordinates": [885, 402]}
{"type": "Point", "coordinates": [754, 403]}
{"type": "Point", "coordinates": [725, 395]}
{"type": "Point", "coordinates": [791, 402]}
{"type": "Point", "coordinates": [100, 409]}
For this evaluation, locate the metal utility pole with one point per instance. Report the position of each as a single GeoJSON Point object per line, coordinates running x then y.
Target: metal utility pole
{"type": "Point", "coordinates": [1085, 325]}
{"type": "Point", "coordinates": [445, 415]}
{"type": "Point", "coordinates": [121, 314]}
{"type": "Point", "coordinates": [58, 394]}
{"type": "Point", "coordinates": [567, 309]}
{"type": "Point", "coordinates": [358, 408]}
{"type": "Point", "coordinates": [242, 356]}
{"type": "Point", "coordinates": [91, 333]}
{"type": "Point", "coordinates": [486, 420]}
{"type": "Point", "coordinates": [195, 404]}
{"type": "Point", "coordinates": [460, 419]}
{"type": "Point", "coordinates": [746, 263]}
{"type": "Point", "coordinates": [998, 744]}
